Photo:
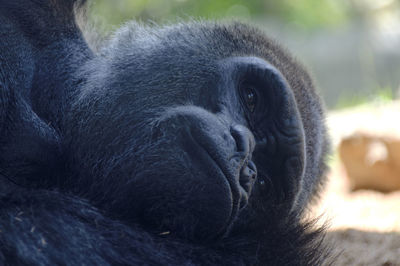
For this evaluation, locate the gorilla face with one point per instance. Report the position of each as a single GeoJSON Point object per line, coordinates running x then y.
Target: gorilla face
{"type": "Point", "coordinates": [179, 144]}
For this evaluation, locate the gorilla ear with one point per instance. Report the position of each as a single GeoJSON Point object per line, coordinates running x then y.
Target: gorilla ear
{"type": "Point", "coordinates": [276, 124]}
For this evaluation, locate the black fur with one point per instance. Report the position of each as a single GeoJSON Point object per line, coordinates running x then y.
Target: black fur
{"type": "Point", "coordinates": [192, 144]}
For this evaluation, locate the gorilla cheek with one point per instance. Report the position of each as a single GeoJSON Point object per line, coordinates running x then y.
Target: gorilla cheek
{"type": "Point", "coordinates": [194, 204]}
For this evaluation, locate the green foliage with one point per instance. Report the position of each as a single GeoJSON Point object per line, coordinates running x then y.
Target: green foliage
{"type": "Point", "coordinates": [306, 13]}
{"type": "Point", "coordinates": [381, 95]}
{"type": "Point", "coordinates": [314, 13]}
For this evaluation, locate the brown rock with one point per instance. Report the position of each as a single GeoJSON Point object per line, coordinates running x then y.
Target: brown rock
{"type": "Point", "coordinates": [371, 162]}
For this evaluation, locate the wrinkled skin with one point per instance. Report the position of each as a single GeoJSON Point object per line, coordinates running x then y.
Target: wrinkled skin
{"type": "Point", "coordinates": [192, 144]}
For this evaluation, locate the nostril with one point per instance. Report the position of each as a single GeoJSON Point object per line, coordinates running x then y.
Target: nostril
{"type": "Point", "coordinates": [248, 175]}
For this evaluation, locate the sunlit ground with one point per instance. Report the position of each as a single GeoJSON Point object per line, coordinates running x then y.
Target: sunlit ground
{"type": "Point", "coordinates": [365, 224]}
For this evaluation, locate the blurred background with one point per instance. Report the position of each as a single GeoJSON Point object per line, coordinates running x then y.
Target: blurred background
{"type": "Point", "coordinates": [352, 48]}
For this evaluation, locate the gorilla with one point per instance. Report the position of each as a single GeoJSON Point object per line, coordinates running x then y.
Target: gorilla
{"type": "Point", "coordinates": [199, 143]}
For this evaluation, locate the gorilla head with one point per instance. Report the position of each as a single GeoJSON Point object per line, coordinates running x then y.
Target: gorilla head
{"type": "Point", "coordinates": [172, 125]}
{"type": "Point", "coordinates": [203, 143]}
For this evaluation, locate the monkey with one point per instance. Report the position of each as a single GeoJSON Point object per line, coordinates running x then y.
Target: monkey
{"type": "Point", "coordinates": [196, 143]}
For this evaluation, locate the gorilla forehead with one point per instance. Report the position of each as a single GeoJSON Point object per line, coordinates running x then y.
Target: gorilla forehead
{"type": "Point", "coordinates": [183, 51]}
{"type": "Point", "coordinates": [175, 64]}
{"type": "Point", "coordinates": [205, 39]}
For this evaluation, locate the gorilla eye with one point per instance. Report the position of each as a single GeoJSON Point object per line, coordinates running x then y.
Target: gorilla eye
{"type": "Point", "coordinates": [249, 96]}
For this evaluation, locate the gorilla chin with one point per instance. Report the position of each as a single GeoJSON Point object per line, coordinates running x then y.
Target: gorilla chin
{"type": "Point", "coordinates": [199, 143]}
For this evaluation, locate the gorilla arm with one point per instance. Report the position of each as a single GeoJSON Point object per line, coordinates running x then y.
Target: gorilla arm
{"type": "Point", "coordinates": [44, 227]}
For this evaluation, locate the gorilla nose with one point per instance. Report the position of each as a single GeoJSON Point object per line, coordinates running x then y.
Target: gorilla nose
{"type": "Point", "coordinates": [244, 139]}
